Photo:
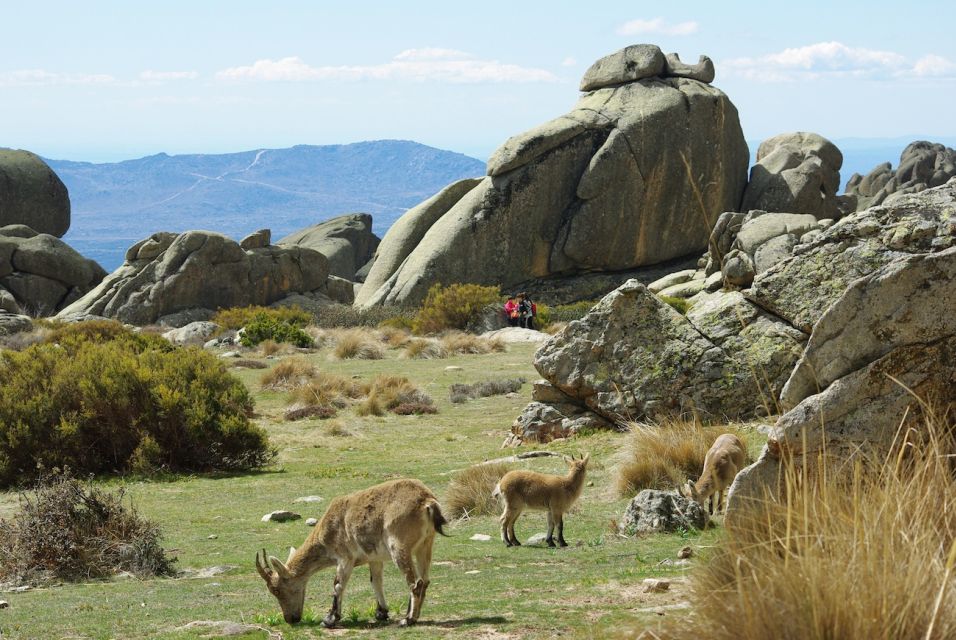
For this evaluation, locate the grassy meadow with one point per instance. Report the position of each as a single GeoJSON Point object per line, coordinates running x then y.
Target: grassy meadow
{"type": "Point", "coordinates": [479, 589]}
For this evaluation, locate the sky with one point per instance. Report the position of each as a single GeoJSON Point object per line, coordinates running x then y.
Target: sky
{"type": "Point", "coordinates": [105, 81]}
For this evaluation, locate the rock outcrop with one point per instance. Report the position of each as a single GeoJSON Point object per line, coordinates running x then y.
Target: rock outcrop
{"type": "Point", "coordinates": [923, 165]}
{"type": "Point", "coordinates": [795, 172]}
{"type": "Point", "coordinates": [653, 511]}
{"type": "Point", "coordinates": [635, 357]}
{"type": "Point", "coordinates": [32, 194]}
{"type": "Point", "coordinates": [347, 241]}
{"type": "Point", "coordinates": [40, 274]}
{"type": "Point", "coordinates": [634, 175]}
{"type": "Point", "coordinates": [888, 336]}
{"type": "Point", "coordinates": [169, 274]}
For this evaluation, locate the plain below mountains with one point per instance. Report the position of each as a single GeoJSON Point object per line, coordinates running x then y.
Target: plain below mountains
{"type": "Point", "coordinates": [116, 204]}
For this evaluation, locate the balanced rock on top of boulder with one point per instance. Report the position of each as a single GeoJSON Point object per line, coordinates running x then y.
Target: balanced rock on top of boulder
{"type": "Point", "coordinates": [635, 174]}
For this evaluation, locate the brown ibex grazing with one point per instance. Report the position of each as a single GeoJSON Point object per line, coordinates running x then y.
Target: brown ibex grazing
{"type": "Point", "coordinates": [724, 459]}
{"type": "Point", "coordinates": [522, 489]}
{"type": "Point", "coordinates": [396, 519]}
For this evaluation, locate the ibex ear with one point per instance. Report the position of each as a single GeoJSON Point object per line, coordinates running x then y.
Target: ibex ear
{"type": "Point", "coordinates": [587, 456]}
{"type": "Point", "coordinates": [291, 553]}
{"type": "Point", "coordinates": [279, 567]}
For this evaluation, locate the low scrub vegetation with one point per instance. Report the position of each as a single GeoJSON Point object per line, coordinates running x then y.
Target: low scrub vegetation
{"type": "Point", "coordinates": [453, 307]}
{"type": "Point", "coordinates": [264, 327]}
{"type": "Point", "coordinates": [424, 349]}
{"type": "Point", "coordinates": [680, 305]}
{"type": "Point", "coordinates": [100, 399]}
{"type": "Point", "coordinates": [68, 530]}
{"type": "Point", "coordinates": [237, 317]}
{"type": "Point", "coordinates": [460, 392]}
{"type": "Point", "coordinates": [665, 455]}
{"type": "Point", "coordinates": [355, 344]}
{"type": "Point", "coordinates": [460, 343]}
{"type": "Point", "coordinates": [346, 316]}
{"type": "Point", "coordinates": [288, 374]}
{"type": "Point", "coordinates": [469, 492]}
{"type": "Point", "coordinates": [569, 312]}
{"type": "Point", "coordinates": [858, 549]}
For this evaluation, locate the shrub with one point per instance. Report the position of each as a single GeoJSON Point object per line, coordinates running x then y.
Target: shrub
{"type": "Point", "coordinates": [346, 316]}
{"type": "Point", "coordinates": [460, 392]}
{"type": "Point", "coordinates": [403, 322]}
{"type": "Point", "coordinates": [543, 318]}
{"type": "Point", "coordinates": [424, 349]}
{"type": "Point", "coordinates": [66, 530]}
{"type": "Point", "coordinates": [268, 327]}
{"type": "Point", "coordinates": [237, 317]}
{"type": "Point", "coordinates": [298, 412]}
{"type": "Point", "coordinates": [453, 307]}
{"type": "Point", "coordinates": [864, 549]}
{"type": "Point", "coordinates": [665, 455]}
{"type": "Point", "coordinates": [288, 374]}
{"type": "Point", "coordinates": [469, 492]}
{"type": "Point", "coordinates": [357, 344]}
{"type": "Point", "coordinates": [569, 312]}
{"type": "Point", "coordinates": [414, 408]}
{"type": "Point", "coordinates": [90, 400]}
{"type": "Point", "coordinates": [247, 363]}
{"type": "Point", "coordinates": [679, 304]}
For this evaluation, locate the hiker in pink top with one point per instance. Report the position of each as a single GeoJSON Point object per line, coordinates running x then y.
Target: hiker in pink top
{"type": "Point", "coordinates": [511, 312]}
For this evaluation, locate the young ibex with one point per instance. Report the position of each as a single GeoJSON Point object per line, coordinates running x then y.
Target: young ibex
{"type": "Point", "coordinates": [396, 519]}
{"type": "Point", "coordinates": [555, 494]}
{"type": "Point", "coordinates": [724, 459]}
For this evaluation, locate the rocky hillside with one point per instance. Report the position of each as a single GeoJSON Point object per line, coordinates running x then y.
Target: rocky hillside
{"type": "Point", "coordinates": [117, 204]}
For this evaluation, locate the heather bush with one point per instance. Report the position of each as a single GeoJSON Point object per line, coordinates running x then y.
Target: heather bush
{"type": "Point", "coordinates": [238, 317]}
{"type": "Point", "coordinates": [568, 312]}
{"type": "Point", "coordinates": [264, 326]}
{"type": "Point", "coordinates": [346, 316]}
{"type": "Point", "coordinates": [453, 307]}
{"type": "Point", "coordinates": [96, 393]}
{"type": "Point", "coordinates": [460, 392]}
{"type": "Point", "coordinates": [68, 530]}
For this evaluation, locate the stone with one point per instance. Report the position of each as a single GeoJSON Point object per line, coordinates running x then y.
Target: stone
{"type": "Point", "coordinates": [311, 522]}
{"type": "Point", "coordinates": [923, 165]}
{"type": "Point", "coordinates": [511, 335]}
{"type": "Point", "coordinates": [480, 537]}
{"type": "Point", "coordinates": [537, 539]}
{"type": "Point", "coordinates": [714, 282]}
{"type": "Point", "coordinates": [685, 289]}
{"type": "Point", "coordinates": [212, 536]}
{"type": "Point", "coordinates": [722, 238]}
{"type": "Point", "coordinates": [4, 604]}
{"type": "Point", "coordinates": [32, 194]}
{"type": "Point", "coordinates": [168, 273]}
{"type": "Point", "coordinates": [453, 368]}
{"type": "Point", "coordinates": [703, 71]}
{"type": "Point", "coordinates": [685, 552]}
{"type": "Point", "coordinates": [193, 333]}
{"type": "Point", "coordinates": [773, 251]}
{"type": "Point", "coordinates": [678, 277]}
{"type": "Point", "coordinates": [221, 628]}
{"type": "Point", "coordinates": [739, 269]}
{"type": "Point", "coordinates": [544, 391]}
{"type": "Point", "coordinates": [257, 239]}
{"type": "Point", "coordinates": [309, 499]}
{"type": "Point", "coordinates": [347, 241]}
{"type": "Point", "coordinates": [799, 290]}
{"type": "Point", "coordinates": [633, 355]}
{"type": "Point", "coordinates": [8, 303]}
{"type": "Point", "coordinates": [11, 323]}
{"type": "Point", "coordinates": [653, 511]}
{"type": "Point", "coordinates": [185, 317]}
{"type": "Point", "coordinates": [795, 172]}
{"type": "Point", "coordinates": [627, 65]}
{"type": "Point", "coordinates": [405, 234]}
{"type": "Point", "coordinates": [634, 175]}
{"type": "Point", "coordinates": [217, 570]}
{"type": "Point", "coordinates": [757, 230]}
{"type": "Point", "coordinates": [540, 422]}
{"type": "Point", "coordinates": [655, 585]}
{"type": "Point", "coordinates": [281, 516]}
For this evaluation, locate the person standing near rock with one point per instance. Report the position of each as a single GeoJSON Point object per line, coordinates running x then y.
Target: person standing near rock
{"type": "Point", "coordinates": [511, 312]}
{"type": "Point", "coordinates": [526, 311]}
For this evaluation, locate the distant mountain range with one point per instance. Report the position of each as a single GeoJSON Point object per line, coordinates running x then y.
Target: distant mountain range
{"type": "Point", "coordinates": [116, 204]}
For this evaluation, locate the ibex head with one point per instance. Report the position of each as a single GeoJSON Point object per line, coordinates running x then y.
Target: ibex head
{"type": "Point", "coordinates": [578, 463]}
{"type": "Point", "coordinates": [288, 589]}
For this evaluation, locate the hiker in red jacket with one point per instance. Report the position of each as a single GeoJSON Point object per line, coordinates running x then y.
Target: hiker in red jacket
{"type": "Point", "coordinates": [511, 312]}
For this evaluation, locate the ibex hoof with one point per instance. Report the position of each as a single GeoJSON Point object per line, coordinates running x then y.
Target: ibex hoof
{"type": "Point", "coordinates": [406, 622]}
{"type": "Point", "coordinates": [551, 543]}
{"type": "Point", "coordinates": [330, 622]}
{"type": "Point", "coordinates": [562, 543]}
{"type": "Point", "coordinates": [381, 614]}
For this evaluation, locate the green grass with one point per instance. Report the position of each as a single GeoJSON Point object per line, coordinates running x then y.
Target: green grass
{"type": "Point", "coordinates": [587, 590]}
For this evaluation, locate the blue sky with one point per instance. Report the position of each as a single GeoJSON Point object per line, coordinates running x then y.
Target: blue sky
{"type": "Point", "coordinates": [113, 80]}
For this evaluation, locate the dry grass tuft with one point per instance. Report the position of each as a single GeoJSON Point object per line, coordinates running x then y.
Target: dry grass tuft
{"type": "Point", "coordinates": [269, 347]}
{"type": "Point", "coordinates": [288, 374]}
{"type": "Point", "coordinates": [248, 363]}
{"type": "Point", "coordinates": [424, 349]}
{"type": "Point", "coordinates": [300, 411]}
{"type": "Point", "coordinates": [358, 344]}
{"type": "Point", "coordinates": [469, 492]}
{"type": "Point", "coordinates": [663, 456]}
{"type": "Point", "coordinates": [554, 328]}
{"type": "Point", "coordinates": [459, 343]}
{"type": "Point", "coordinates": [460, 392]}
{"type": "Point", "coordinates": [851, 550]}
{"type": "Point", "coordinates": [395, 337]}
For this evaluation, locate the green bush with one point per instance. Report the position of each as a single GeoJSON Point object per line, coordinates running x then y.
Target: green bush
{"type": "Point", "coordinates": [344, 316]}
{"type": "Point", "coordinates": [679, 304]}
{"type": "Point", "coordinates": [268, 327]}
{"type": "Point", "coordinates": [102, 400]}
{"type": "Point", "coordinates": [453, 307]}
{"type": "Point", "coordinates": [238, 317]}
{"type": "Point", "coordinates": [568, 312]}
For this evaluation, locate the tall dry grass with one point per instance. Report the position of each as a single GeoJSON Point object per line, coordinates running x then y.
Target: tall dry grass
{"type": "Point", "coordinates": [665, 455]}
{"type": "Point", "coordinates": [288, 374]}
{"type": "Point", "coordinates": [460, 343]}
{"type": "Point", "coordinates": [852, 550]}
{"type": "Point", "coordinates": [469, 492]}
{"type": "Point", "coordinates": [357, 344]}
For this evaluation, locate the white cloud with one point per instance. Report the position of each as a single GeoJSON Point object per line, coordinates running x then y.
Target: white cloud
{"type": "Point", "coordinates": [834, 60]}
{"type": "Point", "coordinates": [568, 62]}
{"type": "Point", "coordinates": [436, 65]}
{"type": "Point", "coordinates": [657, 26]}
{"type": "Point", "coordinates": [38, 77]}
{"type": "Point", "coordinates": [162, 76]}
{"type": "Point", "coordinates": [934, 66]}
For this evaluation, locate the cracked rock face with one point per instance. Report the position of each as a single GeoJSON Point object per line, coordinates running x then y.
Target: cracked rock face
{"type": "Point", "coordinates": [168, 273]}
{"type": "Point", "coordinates": [635, 174]}
{"type": "Point", "coordinates": [40, 274]}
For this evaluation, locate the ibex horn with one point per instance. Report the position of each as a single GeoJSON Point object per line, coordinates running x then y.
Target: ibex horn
{"type": "Point", "coordinates": [260, 567]}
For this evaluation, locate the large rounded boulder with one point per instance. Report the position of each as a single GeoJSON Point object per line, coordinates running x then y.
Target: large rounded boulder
{"type": "Point", "coordinates": [32, 194]}
{"type": "Point", "coordinates": [635, 174]}
{"type": "Point", "coordinates": [923, 165]}
{"type": "Point", "coordinates": [347, 241]}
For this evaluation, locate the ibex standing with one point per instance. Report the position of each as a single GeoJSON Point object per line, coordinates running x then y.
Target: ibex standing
{"type": "Point", "coordinates": [724, 459]}
{"type": "Point", "coordinates": [528, 489]}
{"type": "Point", "coordinates": [395, 520]}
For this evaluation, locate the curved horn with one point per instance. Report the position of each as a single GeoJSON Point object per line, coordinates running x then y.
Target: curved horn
{"type": "Point", "coordinates": [260, 566]}
{"type": "Point", "coordinates": [279, 567]}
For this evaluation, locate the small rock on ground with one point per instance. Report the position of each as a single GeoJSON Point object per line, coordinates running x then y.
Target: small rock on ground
{"type": "Point", "coordinates": [481, 537]}
{"type": "Point", "coordinates": [656, 585]}
{"type": "Point", "coordinates": [537, 538]}
{"type": "Point", "coordinates": [4, 604]}
{"type": "Point", "coordinates": [516, 334]}
{"type": "Point", "coordinates": [685, 552]}
{"type": "Point", "coordinates": [280, 516]}
{"type": "Point", "coordinates": [452, 367]}
{"type": "Point", "coordinates": [308, 499]}
{"type": "Point", "coordinates": [222, 628]}
{"type": "Point", "coordinates": [311, 522]}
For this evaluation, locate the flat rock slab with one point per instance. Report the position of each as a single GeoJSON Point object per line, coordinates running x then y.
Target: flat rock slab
{"type": "Point", "coordinates": [309, 499]}
{"type": "Point", "coordinates": [516, 334]}
{"type": "Point", "coordinates": [280, 516]}
{"type": "Point", "coordinates": [223, 628]}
